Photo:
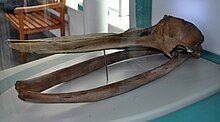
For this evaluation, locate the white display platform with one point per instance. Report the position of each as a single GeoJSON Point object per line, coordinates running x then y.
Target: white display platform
{"type": "Point", "coordinates": [189, 83]}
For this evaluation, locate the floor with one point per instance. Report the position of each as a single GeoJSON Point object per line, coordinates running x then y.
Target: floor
{"type": "Point", "coordinates": [8, 57]}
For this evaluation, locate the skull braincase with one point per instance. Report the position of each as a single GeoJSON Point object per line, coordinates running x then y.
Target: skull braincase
{"type": "Point", "coordinates": [172, 32]}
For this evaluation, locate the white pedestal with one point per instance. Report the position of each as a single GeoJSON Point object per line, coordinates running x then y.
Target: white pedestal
{"type": "Point", "coordinates": [187, 84]}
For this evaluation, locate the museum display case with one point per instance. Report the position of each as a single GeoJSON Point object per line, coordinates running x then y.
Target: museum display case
{"type": "Point", "coordinates": [109, 60]}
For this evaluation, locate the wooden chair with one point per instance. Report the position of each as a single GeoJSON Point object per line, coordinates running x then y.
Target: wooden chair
{"type": "Point", "coordinates": [33, 19]}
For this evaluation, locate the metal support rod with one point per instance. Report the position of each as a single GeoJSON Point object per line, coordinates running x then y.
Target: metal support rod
{"type": "Point", "coordinates": [106, 68]}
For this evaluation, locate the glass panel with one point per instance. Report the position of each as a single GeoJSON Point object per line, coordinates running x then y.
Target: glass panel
{"type": "Point", "coordinates": [118, 14]}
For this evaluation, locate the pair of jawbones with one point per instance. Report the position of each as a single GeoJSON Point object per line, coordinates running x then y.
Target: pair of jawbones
{"type": "Point", "coordinates": [175, 37]}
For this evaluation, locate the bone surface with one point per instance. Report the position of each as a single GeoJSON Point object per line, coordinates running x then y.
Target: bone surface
{"type": "Point", "coordinates": [164, 36]}
{"type": "Point", "coordinates": [29, 90]}
{"type": "Point", "coordinates": [175, 37]}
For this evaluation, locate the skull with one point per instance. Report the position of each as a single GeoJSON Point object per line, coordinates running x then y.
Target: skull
{"type": "Point", "coordinates": [171, 35]}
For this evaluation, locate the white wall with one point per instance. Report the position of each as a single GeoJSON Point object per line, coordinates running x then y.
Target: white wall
{"type": "Point", "coordinates": [74, 23]}
{"type": "Point", "coordinates": [205, 14]}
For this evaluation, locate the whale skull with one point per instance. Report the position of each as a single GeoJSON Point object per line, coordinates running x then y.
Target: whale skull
{"type": "Point", "coordinates": [175, 37]}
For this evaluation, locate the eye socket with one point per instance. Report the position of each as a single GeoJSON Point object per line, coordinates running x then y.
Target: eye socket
{"type": "Point", "coordinates": [145, 33]}
{"type": "Point", "coordinates": [178, 49]}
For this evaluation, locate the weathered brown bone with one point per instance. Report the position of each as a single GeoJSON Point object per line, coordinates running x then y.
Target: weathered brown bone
{"type": "Point", "coordinates": [27, 88]}
{"type": "Point", "coordinates": [171, 36]}
{"type": "Point", "coordinates": [169, 33]}
{"type": "Point", "coordinates": [30, 90]}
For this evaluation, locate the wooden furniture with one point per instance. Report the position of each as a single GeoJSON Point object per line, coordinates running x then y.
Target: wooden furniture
{"type": "Point", "coordinates": [33, 19]}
